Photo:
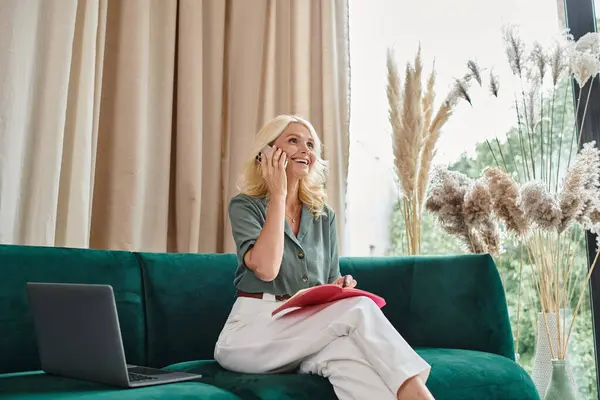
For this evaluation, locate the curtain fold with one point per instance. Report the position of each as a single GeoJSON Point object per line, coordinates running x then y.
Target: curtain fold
{"type": "Point", "coordinates": [130, 202]}
{"type": "Point", "coordinates": [124, 124]}
{"type": "Point", "coordinates": [75, 187]}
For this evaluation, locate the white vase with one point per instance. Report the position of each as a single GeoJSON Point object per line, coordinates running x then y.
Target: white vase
{"type": "Point", "coordinates": [542, 362]}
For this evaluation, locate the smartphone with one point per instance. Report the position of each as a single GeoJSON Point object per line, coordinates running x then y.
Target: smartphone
{"type": "Point", "coordinates": [267, 150]}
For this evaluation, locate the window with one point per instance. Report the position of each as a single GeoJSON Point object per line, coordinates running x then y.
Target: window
{"type": "Point", "coordinates": [445, 31]}
{"type": "Point", "coordinates": [451, 33]}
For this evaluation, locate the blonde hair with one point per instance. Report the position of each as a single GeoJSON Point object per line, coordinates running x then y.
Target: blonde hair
{"type": "Point", "coordinates": [311, 190]}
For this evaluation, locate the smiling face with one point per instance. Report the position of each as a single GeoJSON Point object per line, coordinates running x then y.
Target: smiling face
{"type": "Point", "coordinates": [297, 142]}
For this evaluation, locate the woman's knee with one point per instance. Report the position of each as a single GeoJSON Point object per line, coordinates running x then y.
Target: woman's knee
{"type": "Point", "coordinates": [360, 302]}
{"type": "Point", "coordinates": [219, 356]}
{"type": "Point", "coordinates": [229, 361]}
{"type": "Point", "coordinates": [365, 307]}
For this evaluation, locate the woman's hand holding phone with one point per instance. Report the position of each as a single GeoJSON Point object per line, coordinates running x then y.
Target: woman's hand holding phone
{"type": "Point", "coordinates": [273, 161]}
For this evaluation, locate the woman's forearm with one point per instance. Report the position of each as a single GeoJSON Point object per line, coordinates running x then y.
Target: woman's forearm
{"type": "Point", "coordinates": [264, 259]}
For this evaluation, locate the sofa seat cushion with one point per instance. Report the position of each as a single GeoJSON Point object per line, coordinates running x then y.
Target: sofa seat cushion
{"type": "Point", "coordinates": [40, 386]}
{"type": "Point", "coordinates": [260, 386]}
{"type": "Point", "coordinates": [471, 375]}
{"type": "Point", "coordinates": [455, 375]}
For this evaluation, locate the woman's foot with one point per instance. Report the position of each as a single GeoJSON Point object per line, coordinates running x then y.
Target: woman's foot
{"type": "Point", "coordinates": [414, 389]}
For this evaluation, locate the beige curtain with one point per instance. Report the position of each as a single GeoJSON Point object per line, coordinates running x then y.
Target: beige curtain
{"type": "Point", "coordinates": [124, 123]}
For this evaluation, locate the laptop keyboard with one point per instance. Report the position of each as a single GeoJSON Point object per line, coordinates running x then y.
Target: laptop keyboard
{"type": "Point", "coordinates": [139, 374]}
{"type": "Point", "coordinates": [133, 377]}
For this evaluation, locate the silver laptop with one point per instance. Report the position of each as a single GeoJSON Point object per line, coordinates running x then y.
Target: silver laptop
{"type": "Point", "coordinates": [79, 337]}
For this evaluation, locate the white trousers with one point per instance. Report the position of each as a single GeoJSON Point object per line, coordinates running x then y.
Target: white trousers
{"type": "Point", "coordinates": [350, 342]}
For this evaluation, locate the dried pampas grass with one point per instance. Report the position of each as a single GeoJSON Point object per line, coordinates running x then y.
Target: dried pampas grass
{"type": "Point", "coordinates": [463, 208]}
{"type": "Point", "coordinates": [446, 196]}
{"type": "Point", "coordinates": [515, 49]}
{"type": "Point", "coordinates": [416, 128]}
{"type": "Point", "coordinates": [477, 211]}
{"type": "Point", "coordinates": [544, 222]}
{"type": "Point", "coordinates": [404, 113]}
{"type": "Point", "coordinates": [558, 57]}
{"type": "Point", "coordinates": [505, 201]}
{"type": "Point", "coordinates": [478, 203]}
{"type": "Point", "coordinates": [539, 206]}
{"type": "Point", "coordinates": [474, 71]}
{"type": "Point", "coordinates": [494, 84]}
{"type": "Point", "coordinates": [540, 59]}
{"type": "Point", "coordinates": [533, 209]}
{"type": "Point", "coordinates": [578, 198]}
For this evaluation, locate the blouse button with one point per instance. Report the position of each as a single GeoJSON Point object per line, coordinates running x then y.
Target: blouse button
{"type": "Point", "coordinates": [301, 255]}
{"type": "Point", "coordinates": [305, 278]}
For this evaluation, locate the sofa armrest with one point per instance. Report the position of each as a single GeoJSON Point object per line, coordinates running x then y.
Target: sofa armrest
{"type": "Point", "coordinates": [441, 301]}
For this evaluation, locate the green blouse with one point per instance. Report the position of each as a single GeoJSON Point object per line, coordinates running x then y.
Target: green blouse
{"type": "Point", "coordinates": [309, 259]}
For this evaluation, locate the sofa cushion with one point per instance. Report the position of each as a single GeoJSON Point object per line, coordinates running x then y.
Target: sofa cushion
{"type": "Point", "coordinates": [475, 375]}
{"type": "Point", "coordinates": [188, 299]}
{"type": "Point", "coordinates": [21, 264]}
{"type": "Point", "coordinates": [455, 375]}
{"type": "Point", "coordinates": [38, 386]}
{"type": "Point", "coordinates": [261, 386]}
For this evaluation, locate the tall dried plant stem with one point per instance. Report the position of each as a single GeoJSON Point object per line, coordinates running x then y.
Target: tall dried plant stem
{"type": "Point", "coordinates": [412, 225]}
{"type": "Point", "coordinates": [587, 101]}
{"type": "Point", "coordinates": [567, 279]}
{"type": "Point", "coordinates": [492, 153]}
{"type": "Point", "coordinates": [573, 276]}
{"type": "Point", "coordinates": [533, 301]}
{"type": "Point", "coordinates": [562, 129]}
{"type": "Point", "coordinates": [529, 133]}
{"type": "Point", "coordinates": [536, 263]}
{"type": "Point", "coordinates": [512, 153]}
{"type": "Point", "coordinates": [551, 258]}
{"type": "Point", "coordinates": [587, 280]}
{"type": "Point", "coordinates": [542, 163]}
{"type": "Point", "coordinates": [575, 125]}
{"type": "Point", "coordinates": [526, 171]}
{"type": "Point", "coordinates": [550, 151]}
{"type": "Point", "coordinates": [502, 156]}
{"type": "Point", "coordinates": [558, 266]}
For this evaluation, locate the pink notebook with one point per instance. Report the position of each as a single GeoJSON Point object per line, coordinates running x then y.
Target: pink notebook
{"type": "Point", "coordinates": [325, 294]}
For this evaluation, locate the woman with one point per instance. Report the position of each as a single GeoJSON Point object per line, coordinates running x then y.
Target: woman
{"type": "Point", "coordinates": [286, 241]}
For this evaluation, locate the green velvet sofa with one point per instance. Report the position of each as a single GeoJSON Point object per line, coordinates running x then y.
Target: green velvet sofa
{"type": "Point", "coordinates": [172, 307]}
